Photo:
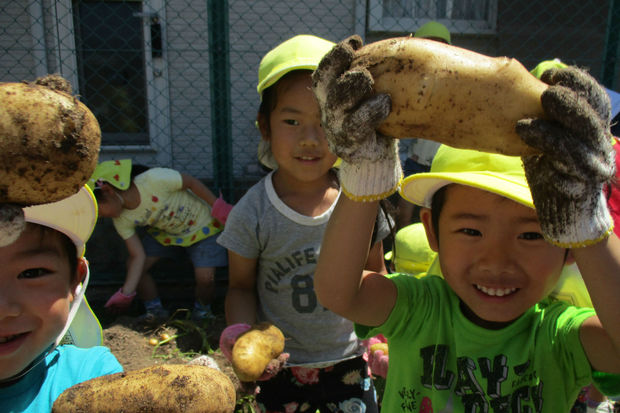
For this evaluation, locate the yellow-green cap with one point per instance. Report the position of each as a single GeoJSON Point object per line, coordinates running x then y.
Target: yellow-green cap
{"type": "Point", "coordinates": [434, 29]}
{"type": "Point", "coordinates": [303, 51]}
{"type": "Point", "coordinates": [115, 172]}
{"type": "Point", "coordinates": [413, 255]}
{"type": "Point", "coordinates": [499, 174]}
{"type": "Point", "coordinates": [546, 65]}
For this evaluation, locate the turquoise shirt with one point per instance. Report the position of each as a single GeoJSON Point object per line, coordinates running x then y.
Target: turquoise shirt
{"type": "Point", "coordinates": [62, 368]}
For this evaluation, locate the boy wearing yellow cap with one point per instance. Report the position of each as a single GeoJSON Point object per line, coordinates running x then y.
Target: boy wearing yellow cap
{"type": "Point", "coordinates": [273, 236]}
{"type": "Point", "coordinates": [42, 282]}
{"type": "Point", "coordinates": [485, 337]}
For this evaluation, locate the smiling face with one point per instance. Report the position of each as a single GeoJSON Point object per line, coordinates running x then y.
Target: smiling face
{"type": "Point", "coordinates": [294, 130]}
{"type": "Point", "coordinates": [492, 254]}
{"type": "Point", "coordinates": [36, 289]}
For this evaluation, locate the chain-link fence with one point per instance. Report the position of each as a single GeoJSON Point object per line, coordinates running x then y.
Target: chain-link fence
{"type": "Point", "coordinates": [173, 82]}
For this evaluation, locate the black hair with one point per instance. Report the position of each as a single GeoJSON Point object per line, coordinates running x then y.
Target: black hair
{"type": "Point", "coordinates": [136, 169]}
{"type": "Point", "coordinates": [66, 244]}
{"type": "Point", "coordinates": [437, 202]}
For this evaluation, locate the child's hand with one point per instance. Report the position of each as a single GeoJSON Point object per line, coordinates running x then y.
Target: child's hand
{"type": "Point", "coordinates": [577, 159]}
{"type": "Point", "coordinates": [228, 337]}
{"type": "Point", "coordinates": [377, 358]}
{"type": "Point", "coordinates": [119, 301]}
{"type": "Point", "coordinates": [350, 115]}
{"type": "Point", "coordinates": [221, 209]}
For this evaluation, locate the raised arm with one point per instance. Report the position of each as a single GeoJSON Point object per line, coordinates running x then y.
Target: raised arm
{"type": "Point", "coordinates": [370, 171]}
{"type": "Point", "coordinates": [340, 281]}
{"type": "Point", "coordinates": [567, 182]}
{"type": "Point", "coordinates": [599, 265]}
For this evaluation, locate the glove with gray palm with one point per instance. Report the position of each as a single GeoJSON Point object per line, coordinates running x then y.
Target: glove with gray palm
{"type": "Point", "coordinates": [577, 159]}
{"type": "Point", "coordinates": [350, 115]}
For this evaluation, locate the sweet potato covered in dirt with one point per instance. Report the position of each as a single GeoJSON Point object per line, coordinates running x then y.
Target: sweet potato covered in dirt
{"type": "Point", "coordinates": [452, 95]}
{"type": "Point", "coordinates": [49, 141]}
{"type": "Point", "coordinates": [172, 388]}
{"type": "Point", "coordinates": [255, 349]}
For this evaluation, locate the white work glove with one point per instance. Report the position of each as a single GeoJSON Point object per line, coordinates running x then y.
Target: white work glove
{"type": "Point", "coordinates": [350, 115]}
{"type": "Point", "coordinates": [577, 160]}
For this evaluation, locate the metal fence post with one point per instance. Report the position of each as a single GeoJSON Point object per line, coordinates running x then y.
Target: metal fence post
{"type": "Point", "coordinates": [219, 71]}
{"type": "Point", "coordinates": [610, 57]}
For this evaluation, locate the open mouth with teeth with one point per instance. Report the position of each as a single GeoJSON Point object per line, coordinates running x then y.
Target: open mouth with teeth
{"type": "Point", "coordinates": [496, 292]}
{"type": "Point", "coordinates": [7, 339]}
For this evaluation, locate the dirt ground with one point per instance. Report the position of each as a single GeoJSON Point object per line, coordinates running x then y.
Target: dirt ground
{"type": "Point", "coordinates": [175, 340]}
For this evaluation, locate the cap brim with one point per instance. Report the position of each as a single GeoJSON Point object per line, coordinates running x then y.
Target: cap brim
{"type": "Point", "coordinates": [85, 330]}
{"type": "Point", "coordinates": [74, 216]}
{"type": "Point", "coordinates": [420, 188]}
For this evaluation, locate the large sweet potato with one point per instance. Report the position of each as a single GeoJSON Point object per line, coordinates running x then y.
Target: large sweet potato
{"type": "Point", "coordinates": [49, 142]}
{"type": "Point", "coordinates": [452, 95]}
{"type": "Point", "coordinates": [172, 388]}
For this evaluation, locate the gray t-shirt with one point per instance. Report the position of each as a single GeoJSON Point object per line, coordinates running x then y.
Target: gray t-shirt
{"type": "Point", "coordinates": [287, 246]}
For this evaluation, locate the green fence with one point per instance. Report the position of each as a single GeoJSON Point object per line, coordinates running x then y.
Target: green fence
{"type": "Point", "coordinates": [173, 82]}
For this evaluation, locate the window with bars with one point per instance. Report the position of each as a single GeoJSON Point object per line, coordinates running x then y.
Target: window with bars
{"type": "Point", "coordinates": [459, 16]}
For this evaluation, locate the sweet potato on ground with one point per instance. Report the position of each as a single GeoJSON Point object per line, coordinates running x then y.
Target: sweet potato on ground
{"type": "Point", "coordinates": [172, 388]}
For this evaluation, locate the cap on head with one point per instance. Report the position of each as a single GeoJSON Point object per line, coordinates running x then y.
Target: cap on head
{"type": "Point", "coordinates": [115, 172]}
{"type": "Point", "coordinates": [74, 216]}
{"type": "Point", "coordinates": [498, 174]}
{"type": "Point", "coordinates": [541, 67]}
{"type": "Point", "coordinates": [434, 30]}
{"type": "Point", "coordinates": [303, 51]}
{"type": "Point", "coordinates": [546, 65]}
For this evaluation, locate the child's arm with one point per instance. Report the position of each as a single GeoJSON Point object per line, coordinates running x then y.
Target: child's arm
{"type": "Point", "coordinates": [370, 171]}
{"type": "Point", "coordinates": [376, 259]}
{"type": "Point", "coordinates": [241, 300]}
{"type": "Point", "coordinates": [135, 263]}
{"type": "Point", "coordinates": [122, 299]}
{"type": "Point", "coordinates": [340, 281]}
{"type": "Point", "coordinates": [567, 183]}
{"type": "Point", "coordinates": [219, 208]}
{"type": "Point", "coordinates": [198, 188]}
{"type": "Point", "coordinates": [599, 265]}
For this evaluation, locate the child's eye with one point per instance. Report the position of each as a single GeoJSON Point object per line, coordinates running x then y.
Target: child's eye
{"type": "Point", "coordinates": [531, 236]}
{"type": "Point", "coordinates": [471, 232]}
{"type": "Point", "coordinates": [292, 122]}
{"type": "Point", "coordinates": [33, 273]}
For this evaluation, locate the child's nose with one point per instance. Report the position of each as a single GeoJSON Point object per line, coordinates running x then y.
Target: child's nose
{"type": "Point", "coordinates": [313, 134]}
{"type": "Point", "coordinates": [496, 260]}
{"type": "Point", "coordinates": [8, 305]}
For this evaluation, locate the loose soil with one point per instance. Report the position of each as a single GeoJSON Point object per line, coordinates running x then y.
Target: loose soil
{"type": "Point", "coordinates": [175, 340]}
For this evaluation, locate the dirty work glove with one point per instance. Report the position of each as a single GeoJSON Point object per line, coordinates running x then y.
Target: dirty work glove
{"type": "Point", "coordinates": [228, 337]}
{"type": "Point", "coordinates": [350, 115]}
{"type": "Point", "coordinates": [220, 210]}
{"type": "Point", "coordinates": [577, 160]}
{"type": "Point", "coordinates": [119, 301]}
{"type": "Point", "coordinates": [377, 359]}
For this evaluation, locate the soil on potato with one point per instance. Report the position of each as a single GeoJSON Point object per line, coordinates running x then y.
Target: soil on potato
{"type": "Point", "coordinates": [175, 340]}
